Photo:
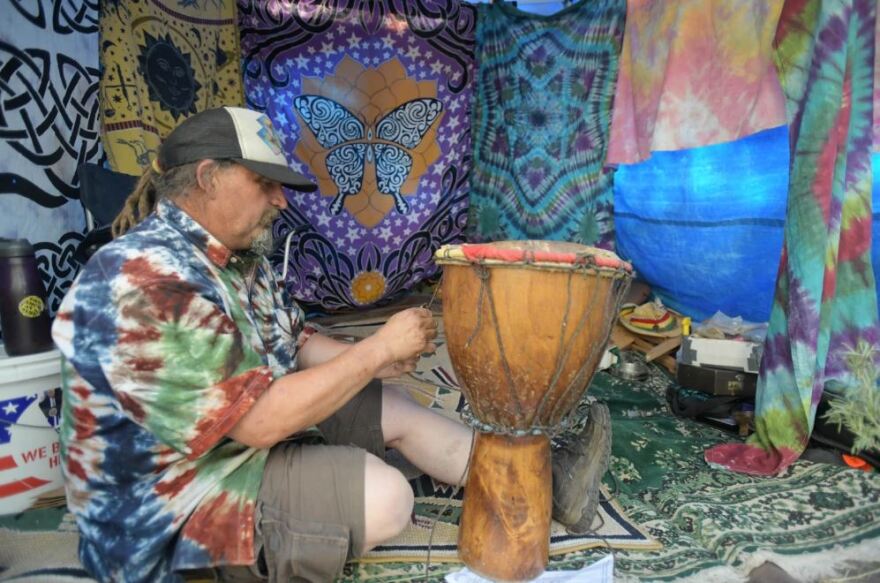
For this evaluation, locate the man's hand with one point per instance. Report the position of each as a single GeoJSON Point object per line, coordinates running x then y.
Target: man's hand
{"type": "Point", "coordinates": [398, 369]}
{"type": "Point", "coordinates": [335, 372]}
{"type": "Point", "coordinates": [406, 336]}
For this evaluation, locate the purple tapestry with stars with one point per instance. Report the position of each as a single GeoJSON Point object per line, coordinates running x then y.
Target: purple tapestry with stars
{"type": "Point", "coordinates": [371, 99]}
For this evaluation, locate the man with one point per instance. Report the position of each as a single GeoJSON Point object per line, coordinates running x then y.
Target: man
{"type": "Point", "coordinates": [188, 377]}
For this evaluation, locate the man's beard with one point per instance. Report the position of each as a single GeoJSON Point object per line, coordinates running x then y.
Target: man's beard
{"type": "Point", "coordinates": [264, 243]}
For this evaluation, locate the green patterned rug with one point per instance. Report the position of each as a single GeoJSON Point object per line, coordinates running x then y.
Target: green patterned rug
{"type": "Point", "coordinates": [816, 521]}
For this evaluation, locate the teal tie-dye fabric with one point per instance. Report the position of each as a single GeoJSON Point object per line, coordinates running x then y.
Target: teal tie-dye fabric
{"type": "Point", "coordinates": [542, 111]}
{"type": "Point", "coordinates": [826, 307]}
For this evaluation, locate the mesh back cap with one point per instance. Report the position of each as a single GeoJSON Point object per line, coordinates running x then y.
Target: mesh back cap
{"type": "Point", "coordinates": [232, 133]}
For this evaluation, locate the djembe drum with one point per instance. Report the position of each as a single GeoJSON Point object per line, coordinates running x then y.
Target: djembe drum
{"type": "Point", "coordinates": [526, 324]}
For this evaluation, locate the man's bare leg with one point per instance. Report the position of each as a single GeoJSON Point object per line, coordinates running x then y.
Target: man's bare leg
{"type": "Point", "coordinates": [437, 445]}
{"type": "Point", "coordinates": [388, 502]}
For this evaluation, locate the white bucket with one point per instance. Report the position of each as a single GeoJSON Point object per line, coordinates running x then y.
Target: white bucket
{"type": "Point", "coordinates": [30, 456]}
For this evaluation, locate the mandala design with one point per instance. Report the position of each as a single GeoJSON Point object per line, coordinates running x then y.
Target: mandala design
{"type": "Point", "coordinates": [367, 287]}
{"type": "Point", "coordinates": [541, 118]}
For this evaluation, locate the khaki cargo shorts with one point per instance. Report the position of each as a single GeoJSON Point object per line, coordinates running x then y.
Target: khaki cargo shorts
{"type": "Point", "coordinates": [310, 510]}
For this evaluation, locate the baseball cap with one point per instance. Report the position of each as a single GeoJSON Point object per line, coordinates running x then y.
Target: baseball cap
{"type": "Point", "coordinates": [232, 133]}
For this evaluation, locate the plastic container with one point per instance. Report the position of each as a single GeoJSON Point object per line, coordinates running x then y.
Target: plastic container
{"type": "Point", "coordinates": [30, 409]}
{"type": "Point", "coordinates": [24, 315]}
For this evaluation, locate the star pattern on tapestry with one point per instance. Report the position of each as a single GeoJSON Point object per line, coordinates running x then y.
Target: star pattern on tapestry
{"type": "Point", "coordinates": [541, 117]}
{"type": "Point", "coordinates": [372, 100]}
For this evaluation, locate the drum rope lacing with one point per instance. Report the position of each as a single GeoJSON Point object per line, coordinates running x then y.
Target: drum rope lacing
{"type": "Point", "coordinates": [473, 415]}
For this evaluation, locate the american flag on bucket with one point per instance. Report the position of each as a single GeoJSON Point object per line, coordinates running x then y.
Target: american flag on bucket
{"type": "Point", "coordinates": [11, 411]}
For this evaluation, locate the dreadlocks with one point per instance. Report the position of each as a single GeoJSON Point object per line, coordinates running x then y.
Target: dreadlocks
{"type": "Point", "coordinates": [155, 185]}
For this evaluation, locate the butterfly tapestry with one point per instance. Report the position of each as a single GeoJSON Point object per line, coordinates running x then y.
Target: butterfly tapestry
{"type": "Point", "coordinates": [352, 144]}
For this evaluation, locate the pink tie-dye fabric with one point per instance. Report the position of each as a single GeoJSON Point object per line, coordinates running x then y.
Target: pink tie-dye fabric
{"type": "Point", "coordinates": [877, 87]}
{"type": "Point", "coordinates": [694, 73]}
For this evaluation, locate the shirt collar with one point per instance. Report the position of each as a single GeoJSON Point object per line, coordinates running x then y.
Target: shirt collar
{"type": "Point", "coordinates": [172, 214]}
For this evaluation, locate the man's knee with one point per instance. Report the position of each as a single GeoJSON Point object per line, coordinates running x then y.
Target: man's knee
{"type": "Point", "coordinates": [392, 496]}
{"type": "Point", "coordinates": [388, 501]}
{"type": "Point", "coordinates": [399, 410]}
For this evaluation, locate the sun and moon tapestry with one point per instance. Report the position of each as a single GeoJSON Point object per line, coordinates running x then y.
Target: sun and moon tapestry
{"type": "Point", "coordinates": [162, 61]}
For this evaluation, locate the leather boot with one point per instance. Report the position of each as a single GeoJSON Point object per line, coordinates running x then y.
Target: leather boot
{"type": "Point", "coordinates": [578, 466]}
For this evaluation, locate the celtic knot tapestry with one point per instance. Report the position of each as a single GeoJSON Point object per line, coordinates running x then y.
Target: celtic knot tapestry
{"type": "Point", "coordinates": [162, 61]}
{"type": "Point", "coordinates": [371, 98]}
{"type": "Point", "coordinates": [48, 126]}
{"type": "Point", "coordinates": [544, 92]}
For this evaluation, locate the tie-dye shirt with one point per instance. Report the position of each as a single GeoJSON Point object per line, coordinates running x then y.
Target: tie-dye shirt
{"type": "Point", "coordinates": [164, 335]}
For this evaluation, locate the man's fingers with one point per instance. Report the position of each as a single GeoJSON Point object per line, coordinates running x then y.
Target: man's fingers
{"type": "Point", "coordinates": [405, 366]}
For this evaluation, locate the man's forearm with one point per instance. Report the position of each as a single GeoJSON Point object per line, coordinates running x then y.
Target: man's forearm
{"type": "Point", "coordinates": [318, 349]}
{"type": "Point", "coordinates": [299, 400]}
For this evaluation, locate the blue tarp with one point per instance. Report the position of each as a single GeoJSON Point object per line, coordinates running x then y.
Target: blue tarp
{"type": "Point", "coordinates": [704, 226]}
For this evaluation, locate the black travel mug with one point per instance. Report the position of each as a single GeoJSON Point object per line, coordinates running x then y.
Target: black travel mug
{"type": "Point", "coordinates": [24, 315]}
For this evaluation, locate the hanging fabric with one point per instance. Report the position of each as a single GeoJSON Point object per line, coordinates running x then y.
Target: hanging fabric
{"type": "Point", "coordinates": [49, 125]}
{"type": "Point", "coordinates": [694, 73]}
{"type": "Point", "coordinates": [703, 227]}
{"type": "Point", "coordinates": [876, 88]}
{"type": "Point", "coordinates": [161, 62]}
{"type": "Point", "coordinates": [825, 308]}
{"type": "Point", "coordinates": [372, 100]}
{"type": "Point", "coordinates": [875, 204]}
{"type": "Point", "coordinates": [544, 89]}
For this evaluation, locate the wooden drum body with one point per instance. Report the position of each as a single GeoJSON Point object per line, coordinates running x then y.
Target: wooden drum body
{"type": "Point", "coordinates": [526, 324]}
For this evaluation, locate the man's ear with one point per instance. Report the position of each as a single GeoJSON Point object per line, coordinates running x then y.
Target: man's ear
{"type": "Point", "coordinates": [205, 175]}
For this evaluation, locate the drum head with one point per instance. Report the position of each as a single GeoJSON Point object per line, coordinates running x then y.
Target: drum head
{"type": "Point", "coordinates": [560, 254]}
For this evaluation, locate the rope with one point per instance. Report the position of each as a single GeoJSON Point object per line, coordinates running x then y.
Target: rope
{"type": "Point", "coordinates": [486, 427]}
{"type": "Point", "coordinates": [446, 506]}
{"type": "Point", "coordinates": [483, 275]}
{"type": "Point", "coordinates": [560, 359]}
{"type": "Point", "coordinates": [511, 389]}
{"type": "Point", "coordinates": [479, 419]}
{"type": "Point", "coordinates": [616, 295]}
{"type": "Point", "coordinates": [433, 299]}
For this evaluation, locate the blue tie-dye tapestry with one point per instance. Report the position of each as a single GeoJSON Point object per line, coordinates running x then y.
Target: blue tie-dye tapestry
{"type": "Point", "coordinates": [542, 112]}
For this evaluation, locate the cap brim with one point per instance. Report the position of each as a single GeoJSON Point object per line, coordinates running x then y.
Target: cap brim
{"type": "Point", "coordinates": [281, 174]}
